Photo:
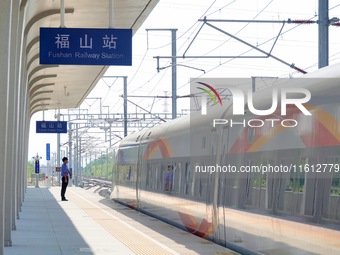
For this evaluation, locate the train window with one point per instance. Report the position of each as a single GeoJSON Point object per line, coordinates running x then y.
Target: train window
{"type": "Point", "coordinates": [187, 178]}
{"type": "Point", "coordinates": [155, 176]}
{"type": "Point", "coordinates": [200, 187]}
{"type": "Point", "coordinates": [197, 182]}
{"type": "Point", "coordinates": [259, 180]}
{"type": "Point", "coordinates": [284, 197]}
{"type": "Point", "coordinates": [297, 178]}
{"type": "Point", "coordinates": [248, 184]}
{"type": "Point", "coordinates": [161, 176]}
{"type": "Point", "coordinates": [256, 196]}
{"type": "Point", "coordinates": [335, 190]}
{"type": "Point", "coordinates": [169, 177]}
{"type": "Point", "coordinates": [193, 181]}
{"type": "Point", "coordinates": [148, 171]}
{"type": "Point", "coordinates": [333, 197]}
{"type": "Point", "coordinates": [178, 176]}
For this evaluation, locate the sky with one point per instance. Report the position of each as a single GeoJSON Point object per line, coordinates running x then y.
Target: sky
{"type": "Point", "coordinates": [297, 44]}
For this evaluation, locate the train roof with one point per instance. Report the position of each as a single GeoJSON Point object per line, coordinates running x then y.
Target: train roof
{"type": "Point", "coordinates": [320, 81]}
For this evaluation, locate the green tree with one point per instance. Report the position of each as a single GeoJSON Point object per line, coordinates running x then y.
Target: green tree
{"type": "Point", "coordinates": [97, 168]}
{"type": "Point", "coordinates": [30, 170]}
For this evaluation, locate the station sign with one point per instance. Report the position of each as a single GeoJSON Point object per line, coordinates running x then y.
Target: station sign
{"type": "Point", "coordinates": [48, 151]}
{"type": "Point", "coordinates": [86, 46]}
{"type": "Point", "coordinates": [51, 127]}
{"type": "Point", "coordinates": [37, 166]}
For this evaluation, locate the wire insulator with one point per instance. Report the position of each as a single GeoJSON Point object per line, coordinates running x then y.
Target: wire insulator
{"type": "Point", "coordinates": [299, 70]}
{"type": "Point", "coordinates": [301, 21]}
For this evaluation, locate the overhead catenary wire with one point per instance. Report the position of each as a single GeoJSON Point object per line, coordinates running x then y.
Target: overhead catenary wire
{"type": "Point", "coordinates": [240, 30]}
{"type": "Point", "coordinates": [245, 52]}
{"type": "Point", "coordinates": [334, 7]}
{"type": "Point", "coordinates": [170, 44]}
{"type": "Point", "coordinates": [221, 64]}
{"type": "Point", "coordinates": [189, 36]}
{"type": "Point", "coordinates": [219, 45]}
{"type": "Point", "coordinates": [179, 37]}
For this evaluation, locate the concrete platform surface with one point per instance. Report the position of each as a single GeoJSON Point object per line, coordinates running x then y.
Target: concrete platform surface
{"type": "Point", "coordinates": [89, 224]}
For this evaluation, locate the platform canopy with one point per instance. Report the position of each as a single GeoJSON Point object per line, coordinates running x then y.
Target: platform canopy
{"type": "Point", "coordinates": [66, 86]}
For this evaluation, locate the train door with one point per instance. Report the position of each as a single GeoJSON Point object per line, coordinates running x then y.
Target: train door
{"type": "Point", "coordinates": [138, 174]}
{"type": "Point", "coordinates": [141, 167]}
{"type": "Point", "coordinates": [327, 199]}
{"type": "Point", "coordinates": [186, 179]}
{"type": "Point", "coordinates": [309, 191]}
{"type": "Point", "coordinates": [216, 145]}
{"type": "Point", "coordinates": [223, 188]}
{"type": "Point", "coordinates": [283, 193]}
{"type": "Point", "coordinates": [258, 183]}
{"type": "Point", "coordinates": [334, 208]}
{"type": "Point", "coordinates": [177, 177]}
{"type": "Point", "coordinates": [210, 207]}
{"type": "Point", "coordinates": [249, 189]}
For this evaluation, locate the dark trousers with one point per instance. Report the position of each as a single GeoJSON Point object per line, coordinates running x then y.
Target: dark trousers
{"type": "Point", "coordinates": [63, 186]}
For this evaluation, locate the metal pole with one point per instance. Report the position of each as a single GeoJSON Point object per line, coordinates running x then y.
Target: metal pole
{"type": "Point", "coordinates": [91, 174]}
{"type": "Point", "coordinates": [111, 15]}
{"type": "Point", "coordinates": [80, 164]}
{"type": "Point", "coordinates": [62, 13]}
{"type": "Point", "coordinates": [289, 21]}
{"type": "Point", "coordinates": [173, 66]}
{"type": "Point", "coordinates": [323, 33]}
{"type": "Point", "coordinates": [95, 161]}
{"type": "Point", "coordinates": [76, 158]}
{"type": "Point", "coordinates": [174, 73]}
{"type": "Point", "coordinates": [85, 160]}
{"type": "Point", "coordinates": [58, 147]}
{"type": "Point", "coordinates": [101, 111]}
{"type": "Point", "coordinates": [107, 163]}
{"type": "Point", "coordinates": [101, 165]}
{"type": "Point", "coordinates": [36, 158]}
{"type": "Point", "coordinates": [110, 137]}
{"type": "Point", "coordinates": [125, 106]}
{"type": "Point", "coordinates": [70, 147]}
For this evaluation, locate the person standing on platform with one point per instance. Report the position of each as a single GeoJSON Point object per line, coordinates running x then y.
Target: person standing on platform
{"type": "Point", "coordinates": [64, 178]}
{"type": "Point", "coordinates": [169, 178]}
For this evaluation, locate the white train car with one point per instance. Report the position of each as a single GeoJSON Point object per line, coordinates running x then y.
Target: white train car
{"type": "Point", "coordinates": [283, 212]}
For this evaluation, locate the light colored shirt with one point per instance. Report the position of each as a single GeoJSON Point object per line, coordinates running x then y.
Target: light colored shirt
{"type": "Point", "coordinates": [64, 169]}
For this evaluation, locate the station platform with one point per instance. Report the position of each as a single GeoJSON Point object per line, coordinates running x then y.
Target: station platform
{"type": "Point", "coordinates": [90, 224]}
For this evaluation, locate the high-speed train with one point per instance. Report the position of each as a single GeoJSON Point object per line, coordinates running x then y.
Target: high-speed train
{"type": "Point", "coordinates": [259, 186]}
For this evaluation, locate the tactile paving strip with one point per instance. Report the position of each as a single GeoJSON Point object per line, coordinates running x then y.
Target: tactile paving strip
{"type": "Point", "coordinates": [135, 241]}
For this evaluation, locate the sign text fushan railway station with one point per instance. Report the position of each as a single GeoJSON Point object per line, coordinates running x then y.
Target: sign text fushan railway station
{"type": "Point", "coordinates": [86, 46]}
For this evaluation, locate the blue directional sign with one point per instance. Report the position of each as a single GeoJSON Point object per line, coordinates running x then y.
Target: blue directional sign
{"type": "Point", "coordinates": [48, 151]}
{"type": "Point", "coordinates": [37, 166]}
{"type": "Point", "coordinates": [51, 127]}
{"type": "Point", "coordinates": [86, 46]}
